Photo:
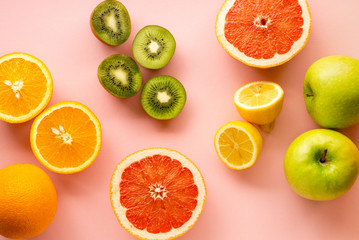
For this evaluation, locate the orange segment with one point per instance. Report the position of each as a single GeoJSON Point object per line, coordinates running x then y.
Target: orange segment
{"type": "Point", "coordinates": [263, 33]}
{"type": "Point", "coordinates": [66, 137]}
{"type": "Point", "coordinates": [25, 87]}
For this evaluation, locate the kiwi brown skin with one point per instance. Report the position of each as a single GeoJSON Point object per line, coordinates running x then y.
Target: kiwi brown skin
{"type": "Point", "coordinates": [173, 96]}
{"type": "Point", "coordinates": [93, 30]}
{"type": "Point", "coordinates": [114, 85]}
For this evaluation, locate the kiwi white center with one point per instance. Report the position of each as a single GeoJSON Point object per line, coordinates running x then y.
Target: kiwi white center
{"type": "Point", "coordinates": [120, 76]}
{"type": "Point", "coordinates": [111, 22]}
{"type": "Point", "coordinates": [153, 47]}
{"type": "Point", "coordinates": [15, 86]}
{"type": "Point", "coordinates": [62, 134]}
{"type": "Point", "coordinates": [163, 97]}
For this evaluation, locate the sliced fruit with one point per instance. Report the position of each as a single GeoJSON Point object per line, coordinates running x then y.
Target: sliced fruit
{"type": "Point", "coordinates": [264, 33]}
{"type": "Point", "coordinates": [120, 75]}
{"type": "Point", "coordinates": [153, 47]}
{"type": "Point", "coordinates": [157, 193]}
{"type": "Point", "coordinates": [260, 102]}
{"type": "Point", "coordinates": [110, 22]}
{"type": "Point", "coordinates": [28, 201]}
{"type": "Point", "coordinates": [66, 137]}
{"type": "Point", "coordinates": [238, 144]}
{"type": "Point", "coordinates": [163, 97]}
{"type": "Point", "coordinates": [25, 87]}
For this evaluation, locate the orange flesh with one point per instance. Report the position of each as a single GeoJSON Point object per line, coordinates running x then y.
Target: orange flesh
{"type": "Point", "coordinates": [33, 90]}
{"type": "Point", "coordinates": [260, 30]}
{"type": "Point", "coordinates": [159, 194]}
{"type": "Point", "coordinates": [52, 146]}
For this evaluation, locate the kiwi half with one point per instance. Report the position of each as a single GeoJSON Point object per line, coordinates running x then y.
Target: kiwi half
{"type": "Point", "coordinates": [153, 47]}
{"type": "Point", "coordinates": [110, 22]}
{"type": "Point", "coordinates": [120, 75]}
{"type": "Point", "coordinates": [163, 97]}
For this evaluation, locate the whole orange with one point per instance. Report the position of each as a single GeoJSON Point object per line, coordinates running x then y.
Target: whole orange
{"type": "Point", "coordinates": [28, 201]}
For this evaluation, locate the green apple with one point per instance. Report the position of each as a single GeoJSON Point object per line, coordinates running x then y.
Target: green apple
{"type": "Point", "coordinates": [331, 91]}
{"type": "Point", "coordinates": [321, 164]}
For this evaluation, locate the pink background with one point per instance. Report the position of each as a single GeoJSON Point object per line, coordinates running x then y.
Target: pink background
{"type": "Point", "coordinates": [256, 203]}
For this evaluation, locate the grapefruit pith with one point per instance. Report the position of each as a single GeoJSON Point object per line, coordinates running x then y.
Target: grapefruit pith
{"type": "Point", "coordinates": [264, 33]}
{"type": "Point", "coordinates": [157, 193]}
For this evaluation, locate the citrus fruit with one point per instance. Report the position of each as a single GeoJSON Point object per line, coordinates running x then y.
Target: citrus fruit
{"type": "Point", "coordinates": [28, 201]}
{"type": "Point", "coordinates": [66, 137]}
{"type": "Point", "coordinates": [260, 102]}
{"type": "Point", "coordinates": [238, 144]}
{"type": "Point", "coordinates": [263, 33]}
{"type": "Point", "coordinates": [157, 193]}
{"type": "Point", "coordinates": [25, 87]}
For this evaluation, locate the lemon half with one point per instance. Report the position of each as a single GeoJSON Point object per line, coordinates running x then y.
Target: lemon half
{"type": "Point", "coordinates": [260, 102]}
{"type": "Point", "coordinates": [238, 144]}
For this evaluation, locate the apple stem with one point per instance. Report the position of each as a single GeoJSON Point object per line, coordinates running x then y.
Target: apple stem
{"type": "Point", "coordinates": [309, 95]}
{"type": "Point", "coordinates": [323, 158]}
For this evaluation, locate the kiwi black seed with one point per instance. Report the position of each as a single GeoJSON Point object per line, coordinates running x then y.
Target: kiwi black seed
{"type": "Point", "coordinates": [110, 22]}
{"type": "Point", "coordinates": [153, 47]}
{"type": "Point", "coordinates": [120, 75]}
{"type": "Point", "coordinates": [163, 97]}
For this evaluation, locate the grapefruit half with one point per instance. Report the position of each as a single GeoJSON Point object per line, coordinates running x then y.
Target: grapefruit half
{"type": "Point", "coordinates": [157, 193]}
{"type": "Point", "coordinates": [263, 33]}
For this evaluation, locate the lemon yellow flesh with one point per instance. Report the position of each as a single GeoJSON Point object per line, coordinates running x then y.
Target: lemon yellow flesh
{"type": "Point", "coordinates": [238, 144]}
{"type": "Point", "coordinates": [258, 95]}
{"type": "Point", "coordinates": [235, 146]}
{"type": "Point", "coordinates": [260, 103]}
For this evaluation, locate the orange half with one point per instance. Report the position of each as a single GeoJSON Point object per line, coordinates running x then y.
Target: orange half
{"type": "Point", "coordinates": [263, 33]}
{"type": "Point", "coordinates": [25, 87]}
{"type": "Point", "coordinates": [66, 137]}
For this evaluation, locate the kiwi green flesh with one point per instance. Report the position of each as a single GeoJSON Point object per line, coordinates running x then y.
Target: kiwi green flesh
{"type": "Point", "coordinates": [163, 97]}
{"type": "Point", "coordinates": [120, 75]}
{"type": "Point", "coordinates": [153, 47]}
{"type": "Point", "coordinates": [111, 22]}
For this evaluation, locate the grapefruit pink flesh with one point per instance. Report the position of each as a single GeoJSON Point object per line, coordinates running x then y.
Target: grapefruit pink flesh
{"type": "Point", "coordinates": [158, 193]}
{"type": "Point", "coordinates": [262, 30]}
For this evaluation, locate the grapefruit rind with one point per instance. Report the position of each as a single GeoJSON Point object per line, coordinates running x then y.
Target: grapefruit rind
{"type": "Point", "coordinates": [278, 59]}
{"type": "Point", "coordinates": [47, 112]}
{"type": "Point", "coordinates": [48, 94]}
{"type": "Point", "coordinates": [120, 211]}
